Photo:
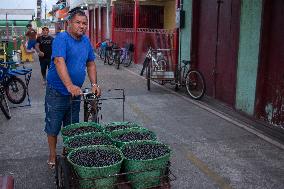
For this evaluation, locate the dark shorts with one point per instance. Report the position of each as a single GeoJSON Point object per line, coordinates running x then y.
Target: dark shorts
{"type": "Point", "coordinates": [58, 111]}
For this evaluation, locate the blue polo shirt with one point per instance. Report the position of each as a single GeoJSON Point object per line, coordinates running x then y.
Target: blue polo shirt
{"type": "Point", "coordinates": [76, 54]}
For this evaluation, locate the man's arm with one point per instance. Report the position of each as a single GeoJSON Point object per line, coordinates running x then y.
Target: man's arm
{"type": "Point", "coordinates": [40, 53]}
{"type": "Point", "coordinates": [92, 73]}
{"type": "Point", "coordinates": [64, 76]}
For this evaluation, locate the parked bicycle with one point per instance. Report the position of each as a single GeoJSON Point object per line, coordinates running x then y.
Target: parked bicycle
{"type": "Point", "coordinates": [126, 57]}
{"type": "Point", "coordinates": [192, 79]}
{"type": "Point", "coordinates": [4, 103]}
{"type": "Point", "coordinates": [104, 51]}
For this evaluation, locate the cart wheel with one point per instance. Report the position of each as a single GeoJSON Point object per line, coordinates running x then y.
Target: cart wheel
{"type": "Point", "coordinates": [62, 173]}
{"type": "Point", "coordinates": [148, 78]}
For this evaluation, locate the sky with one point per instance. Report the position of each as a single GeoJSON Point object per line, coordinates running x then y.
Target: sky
{"type": "Point", "coordinates": [26, 4]}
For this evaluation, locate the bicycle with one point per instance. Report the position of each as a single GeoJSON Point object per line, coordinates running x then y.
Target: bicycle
{"type": "Point", "coordinates": [4, 104]}
{"type": "Point", "coordinates": [126, 57]}
{"type": "Point", "coordinates": [192, 79]}
{"type": "Point", "coordinates": [14, 87]}
{"type": "Point", "coordinates": [104, 51]}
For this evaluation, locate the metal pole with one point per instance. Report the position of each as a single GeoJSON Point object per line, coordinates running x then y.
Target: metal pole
{"type": "Point", "coordinates": [7, 28]}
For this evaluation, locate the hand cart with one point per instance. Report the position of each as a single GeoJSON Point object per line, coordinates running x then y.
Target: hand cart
{"type": "Point", "coordinates": [67, 178]}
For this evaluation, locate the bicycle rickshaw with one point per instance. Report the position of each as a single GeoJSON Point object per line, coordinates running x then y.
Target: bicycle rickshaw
{"type": "Point", "coordinates": [159, 66]}
{"type": "Point", "coordinates": [66, 175]}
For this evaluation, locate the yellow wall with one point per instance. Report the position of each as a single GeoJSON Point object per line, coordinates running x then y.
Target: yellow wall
{"type": "Point", "coordinates": [169, 11]}
{"type": "Point", "coordinates": [169, 14]}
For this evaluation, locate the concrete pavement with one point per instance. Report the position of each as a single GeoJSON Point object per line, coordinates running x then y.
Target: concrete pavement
{"type": "Point", "coordinates": [210, 150]}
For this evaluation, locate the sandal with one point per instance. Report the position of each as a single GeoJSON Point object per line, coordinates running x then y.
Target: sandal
{"type": "Point", "coordinates": [51, 165]}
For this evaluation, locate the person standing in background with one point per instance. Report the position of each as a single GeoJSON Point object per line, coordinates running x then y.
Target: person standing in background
{"type": "Point", "coordinates": [44, 49]}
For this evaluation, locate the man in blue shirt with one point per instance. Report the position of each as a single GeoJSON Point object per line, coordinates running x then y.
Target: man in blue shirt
{"type": "Point", "coordinates": [72, 53]}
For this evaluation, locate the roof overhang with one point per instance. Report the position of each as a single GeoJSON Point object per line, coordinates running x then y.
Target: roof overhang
{"type": "Point", "coordinates": [17, 14]}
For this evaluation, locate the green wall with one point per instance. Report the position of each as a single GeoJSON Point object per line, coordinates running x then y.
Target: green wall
{"type": "Point", "coordinates": [250, 25]}
{"type": "Point", "coordinates": [185, 34]}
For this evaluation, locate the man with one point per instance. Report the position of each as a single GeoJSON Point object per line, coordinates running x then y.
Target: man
{"type": "Point", "coordinates": [71, 54]}
{"type": "Point", "coordinates": [44, 48]}
{"type": "Point", "coordinates": [31, 38]}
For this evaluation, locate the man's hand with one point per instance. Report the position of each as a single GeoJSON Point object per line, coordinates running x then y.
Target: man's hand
{"type": "Point", "coordinates": [74, 90]}
{"type": "Point", "coordinates": [41, 54]}
{"type": "Point", "coordinates": [96, 89]}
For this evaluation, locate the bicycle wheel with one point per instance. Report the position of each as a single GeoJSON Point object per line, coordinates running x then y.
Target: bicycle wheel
{"type": "Point", "coordinates": [101, 53]}
{"type": "Point", "coordinates": [128, 59]}
{"type": "Point", "coordinates": [16, 90]}
{"type": "Point", "coordinates": [117, 60]}
{"type": "Point", "coordinates": [62, 174]}
{"type": "Point", "coordinates": [195, 84]}
{"type": "Point", "coordinates": [110, 56]}
{"type": "Point", "coordinates": [4, 105]}
{"type": "Point", "coordinates": [148, 76]}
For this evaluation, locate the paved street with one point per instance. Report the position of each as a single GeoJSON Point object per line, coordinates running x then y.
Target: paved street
{"type": "Point", "coordinates": [209, 150]}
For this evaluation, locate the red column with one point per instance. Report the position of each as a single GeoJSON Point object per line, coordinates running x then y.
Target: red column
{"type": "Point", "coordinates": [112, 22]}
{"type": "Point", "coordinates": [136, 26]}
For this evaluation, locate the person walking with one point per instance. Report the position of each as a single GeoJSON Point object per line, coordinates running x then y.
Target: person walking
{"type": "Point", "coordinates": [44, 48]}
{"type": "Point", "coordinates": [31, 38]}
{"type": "Point", "coordinates": [72, 53]}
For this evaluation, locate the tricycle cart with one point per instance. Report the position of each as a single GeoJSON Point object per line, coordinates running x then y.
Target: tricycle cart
{"type": "Point", "coordinates": [159, 66]}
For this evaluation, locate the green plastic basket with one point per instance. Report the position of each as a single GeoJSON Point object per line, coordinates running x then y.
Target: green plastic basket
{"type": "Point", "coordinates": [88, 175]}
{"type": "Point", "coordinates": [119, 143]}
{"type": "Point", "coordinates": [88, 135]}
{"type": "Point", "coordinates": [78, 125]}
{"type": "Point", "coordinates": [148, 173]}
{"type": "Point", "coordinates": [112, 125]}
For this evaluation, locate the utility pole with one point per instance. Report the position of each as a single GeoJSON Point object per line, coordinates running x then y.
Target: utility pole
{"type": "Point", "coordinates": [45, 11]}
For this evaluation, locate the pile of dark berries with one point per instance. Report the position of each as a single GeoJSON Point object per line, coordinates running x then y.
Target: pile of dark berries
{"type": "Point", "coordinates": [131, 136]}
{"type": "Point", "coordinates": [80, 130]}
{"type": "Point", "coordinates": [111, 128]}
{"type": "Point", "coordinates": [95, 158]}
{"type": "Point", "coordinates": [87, 141]}
{"type": "Point", "coordinates": [145, 151]}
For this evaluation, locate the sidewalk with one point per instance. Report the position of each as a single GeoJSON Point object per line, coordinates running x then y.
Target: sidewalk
{"type": "Point", "coordinates": [261, 129]}
{"type": "Point", "coordinates": [209, 150]}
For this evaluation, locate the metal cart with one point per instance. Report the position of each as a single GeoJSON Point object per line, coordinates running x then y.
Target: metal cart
{"type": "Point", "coordinates": [65, 175]}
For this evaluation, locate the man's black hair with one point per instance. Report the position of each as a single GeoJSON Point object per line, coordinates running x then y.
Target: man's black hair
{"type": "Point", "coordinates": [28, 25]}
{"type": "Point", "coordinates": [76, 11]}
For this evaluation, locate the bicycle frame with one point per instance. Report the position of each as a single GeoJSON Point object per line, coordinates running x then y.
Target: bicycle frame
{"type": "Point", "coordinates": [182, 71]}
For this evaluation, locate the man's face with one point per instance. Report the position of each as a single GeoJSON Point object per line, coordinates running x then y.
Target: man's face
{"type": "Point", "coordinates": [45, 31]}
{"type": "Point", "coordinates": [78, 25]}
{"type": "Point", "coordinates": [29, 28]}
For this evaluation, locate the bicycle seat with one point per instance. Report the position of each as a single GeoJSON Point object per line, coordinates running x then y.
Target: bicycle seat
{"type": "Point", "coordinates": [185, 62]}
